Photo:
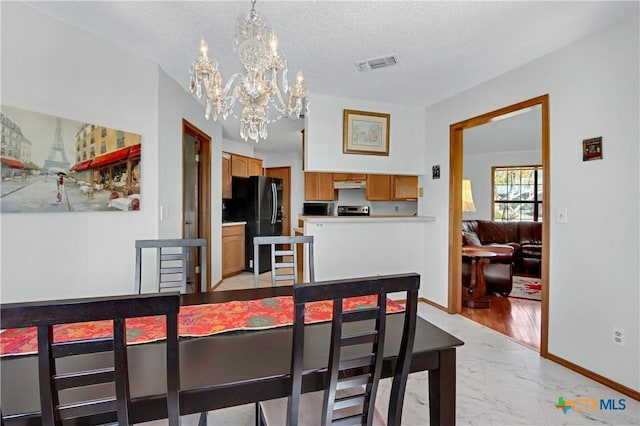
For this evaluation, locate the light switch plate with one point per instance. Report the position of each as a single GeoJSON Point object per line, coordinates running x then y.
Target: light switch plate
{"type": "Point", "coordinates": [561, 216]}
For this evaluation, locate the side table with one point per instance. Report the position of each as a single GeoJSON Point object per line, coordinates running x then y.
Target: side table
{"type": "Point", "coordinates": [475, 295]}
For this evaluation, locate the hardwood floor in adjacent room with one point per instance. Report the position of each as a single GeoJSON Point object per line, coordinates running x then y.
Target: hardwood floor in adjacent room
{"type": "Point", "coordinates": [518, 319]}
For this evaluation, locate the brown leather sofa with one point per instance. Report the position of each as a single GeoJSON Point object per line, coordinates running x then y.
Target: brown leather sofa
{"type": "Point", "coordinates": [524, 237]}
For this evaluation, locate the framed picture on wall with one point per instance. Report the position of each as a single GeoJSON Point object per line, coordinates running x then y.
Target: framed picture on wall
{"type": "Point", "coordinates": [365, 132]}
{"type": "Point", "coordinates": [55, 164]}
{"type": "Point", "coordinates": [592, 149]}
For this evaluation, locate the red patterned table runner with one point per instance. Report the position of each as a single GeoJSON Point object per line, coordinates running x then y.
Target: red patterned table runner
{"type": "Point", "coordinates": [194, 320]}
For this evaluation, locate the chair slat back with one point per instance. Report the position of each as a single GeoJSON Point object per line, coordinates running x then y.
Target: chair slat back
{"type": "Point", "coordinates": [173, 260]}
{"type": "Point", "coordinates": [77, 387]}
{"type": "Point", "coordinates": [284, 262]}
{"type": "Point", "coordinates": [357, 348]}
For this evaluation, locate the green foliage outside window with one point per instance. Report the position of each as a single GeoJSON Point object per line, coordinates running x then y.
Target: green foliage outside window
{"type": "Point", "coordinates": [517, 193]}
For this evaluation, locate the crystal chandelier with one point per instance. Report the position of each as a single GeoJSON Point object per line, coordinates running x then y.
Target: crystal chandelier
{"type": "Point", "coordinates": [258, 88]}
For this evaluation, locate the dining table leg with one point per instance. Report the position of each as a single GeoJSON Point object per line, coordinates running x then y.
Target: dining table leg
{"type": "Point", "coordinates": [442, 390]}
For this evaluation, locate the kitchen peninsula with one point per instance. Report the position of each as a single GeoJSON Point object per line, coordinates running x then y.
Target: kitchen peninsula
{"type": "Point", "coordinates": [352, 246]}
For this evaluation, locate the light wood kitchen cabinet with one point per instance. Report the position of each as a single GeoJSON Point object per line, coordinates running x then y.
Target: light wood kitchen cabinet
{"type": "Point", "coordinates": [232, 250]}
{"type": "Point", "coordinates": [255, 167]}
{"type": "Point", "coordinates": [348, 177]}
{"type": "Point", "coordinates": [242, 166]}
{"type": "Point", "coordinates": [378, 187]}
{"type": "Point", "coordinates": [226, 175]}
{"type": "Point", "coordinates": [239, 165]}
{"type": "Point", "coordinates": [318, 186]}
{"type": "Point", "coordinates": [405, 188]}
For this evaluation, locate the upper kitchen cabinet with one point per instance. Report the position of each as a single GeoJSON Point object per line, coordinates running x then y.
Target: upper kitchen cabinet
{"type": "Point", "coordinates": [405, 188]}
{"type": "Point", "coordinates": [239, 166]}
{"type": "Point", "coordinates": [242, 166]}
{"type": "Point", "coordinates": [391, 188]}
{"type": "Point", "coordinates": [378, 187]}
{"type": "Point", "coordinates": [318, 186]}
{"type": "Point", "coordinates": [345, 177]}
{"type": "Point", "coordinates": [255, 167]}
{"type": "Point", "coordinates": [226, 175]}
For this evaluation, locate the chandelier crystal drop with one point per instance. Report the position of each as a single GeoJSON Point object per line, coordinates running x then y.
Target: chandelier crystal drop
{"type": "Point", "coordinates": [263, 89]}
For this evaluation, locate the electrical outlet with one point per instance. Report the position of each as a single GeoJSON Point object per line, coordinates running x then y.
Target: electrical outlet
{"type": "Point", "coordinates": [618, 336]}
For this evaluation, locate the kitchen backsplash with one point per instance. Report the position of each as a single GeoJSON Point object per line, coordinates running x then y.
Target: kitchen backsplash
{"type": "Point", "coordinates": [357, 197]}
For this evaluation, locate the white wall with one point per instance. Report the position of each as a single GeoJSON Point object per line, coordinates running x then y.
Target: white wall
{"type": "Point", "coordinates": [52, 68]}
{"type": "Point", "coordinates": [324, 138]}
{"type": "Point", "coordinates": [241, 148]}
{"type": "Point", "coordinates": [60, 71]}
{"type": "Point", "coordinates": [594, 267]}
{"type": "Point", "coordinates": [477, 168]}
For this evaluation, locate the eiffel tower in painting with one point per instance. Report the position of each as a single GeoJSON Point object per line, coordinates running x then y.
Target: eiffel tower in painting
{"type": "Point", "coordinates": [57, 148]}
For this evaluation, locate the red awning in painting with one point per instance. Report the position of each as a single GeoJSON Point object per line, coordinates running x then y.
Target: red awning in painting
{"type": "Point", "coordinates": [11, 163]}
{"type": "Point", "coordinates": [111, 157]}
{"type": "Point", "coordinates": [83, 165]}
{"type": "Point", "coordinates": [135, 151]}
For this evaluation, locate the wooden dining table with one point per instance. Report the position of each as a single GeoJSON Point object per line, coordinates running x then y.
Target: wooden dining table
{"type": "Point", "coordinates": [240, 367]}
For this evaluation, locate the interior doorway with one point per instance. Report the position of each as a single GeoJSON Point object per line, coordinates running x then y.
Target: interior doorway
{"type": "Point", "coordinates": [455, 211]}
{"type": "Point", "coordinates": [196, 194]}
{"type": "Point", "coordinates": [283, 173]}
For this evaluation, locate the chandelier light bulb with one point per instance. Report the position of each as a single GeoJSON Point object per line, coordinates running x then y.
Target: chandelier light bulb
{"type": "Point", "coordinates": [204, 49]}
{"type": "Point", "coordinates": [258, 88]}
{"type": "Point", "coordinates": [273, 44]}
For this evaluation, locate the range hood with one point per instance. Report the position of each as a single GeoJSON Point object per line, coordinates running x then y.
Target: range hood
{"type": "Point", "coordinates": [350, 184]}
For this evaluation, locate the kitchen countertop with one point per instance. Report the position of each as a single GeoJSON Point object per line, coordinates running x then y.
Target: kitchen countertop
{"type": "Point", "coordinates": [372, 218]}
{"type": "Point", "coordinates": [233, 223]}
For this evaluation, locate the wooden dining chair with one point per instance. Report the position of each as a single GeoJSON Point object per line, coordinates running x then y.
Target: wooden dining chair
{"type": "Point", "coordinates": [355, 356]}
{"type": "Point", "coordinates": [173, 264]}
{"type": "Point", "coordinates": [71, 386]}
{"type": "Point", "coordinates": [284, 261]}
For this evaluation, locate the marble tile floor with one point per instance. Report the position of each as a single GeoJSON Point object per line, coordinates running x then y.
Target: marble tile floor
{"type": "Point", "coordinates": [499, 383]}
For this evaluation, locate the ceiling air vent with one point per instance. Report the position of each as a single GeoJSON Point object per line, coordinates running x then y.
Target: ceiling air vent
{"type": "Point", "coordinates": [375, 63]}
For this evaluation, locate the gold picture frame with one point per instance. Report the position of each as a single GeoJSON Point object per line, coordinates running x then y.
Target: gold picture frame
{"type": "Point", "coordinates": [365, 132]}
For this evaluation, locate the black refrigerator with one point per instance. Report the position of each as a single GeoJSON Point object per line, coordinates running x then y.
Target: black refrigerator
{"type": "Point", "coordinates": [258, 201]}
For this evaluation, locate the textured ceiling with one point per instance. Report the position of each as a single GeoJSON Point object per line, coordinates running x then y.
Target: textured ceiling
{"type": "Point", "coordinates": [443, 48]}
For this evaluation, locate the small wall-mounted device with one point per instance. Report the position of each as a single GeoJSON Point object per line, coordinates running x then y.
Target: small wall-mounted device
{"type": "Point", "coordinates": [435, 172]}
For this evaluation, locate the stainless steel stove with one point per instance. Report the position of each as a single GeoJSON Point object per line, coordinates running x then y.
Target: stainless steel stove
{"type": "Point", "coordinates": [353, 210]}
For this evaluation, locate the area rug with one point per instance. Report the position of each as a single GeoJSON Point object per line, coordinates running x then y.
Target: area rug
{"type": "Point", "coordinates": [526, 288]}
{"type": "Point", "coordinates": [194, 320]}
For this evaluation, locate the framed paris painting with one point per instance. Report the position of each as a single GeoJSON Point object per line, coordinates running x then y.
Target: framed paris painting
{"type": "Point", "coordinates": [54, 164]}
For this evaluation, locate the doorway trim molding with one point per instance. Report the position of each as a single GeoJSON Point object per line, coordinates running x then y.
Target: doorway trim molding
{"type": "Point", "coordinates": [204, 190]}
{"type": "Point", "coordinates": [455, 207]}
